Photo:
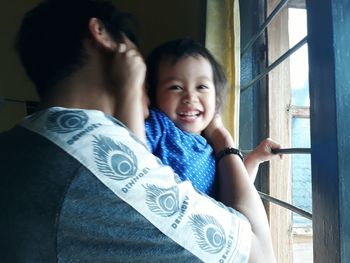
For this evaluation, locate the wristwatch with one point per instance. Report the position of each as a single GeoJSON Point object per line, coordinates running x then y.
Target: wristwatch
{"type": "Point", "coordinates": [227, 151]}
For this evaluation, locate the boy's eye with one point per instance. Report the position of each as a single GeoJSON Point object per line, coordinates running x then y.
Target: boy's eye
{"type": "Point", "coordinates": [175, 87]}
{"type": "Point", "coordinates": [203, 87]}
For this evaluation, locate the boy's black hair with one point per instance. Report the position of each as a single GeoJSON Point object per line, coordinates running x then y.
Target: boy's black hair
{"type": "Point", "coordinates": [176, 50]}
{"type": "Point", "coordinates": [50, 39]}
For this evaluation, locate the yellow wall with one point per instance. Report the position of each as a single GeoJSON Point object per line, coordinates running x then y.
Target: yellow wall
{"type": "Point", "coordinates": [159, 21]}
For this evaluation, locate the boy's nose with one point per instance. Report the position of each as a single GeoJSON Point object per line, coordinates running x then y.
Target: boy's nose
{"type": "Point", "coordinates": [189, 98]}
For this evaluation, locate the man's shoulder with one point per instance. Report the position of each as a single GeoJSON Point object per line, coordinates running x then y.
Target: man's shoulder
{"type": "Point", "coordinates": [15, 137]}
{"type": "Point", "coordinates": [35, 176]}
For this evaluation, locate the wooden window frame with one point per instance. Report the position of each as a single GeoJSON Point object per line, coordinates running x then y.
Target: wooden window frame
{"type": "Point", "coordinates": [279, 126]}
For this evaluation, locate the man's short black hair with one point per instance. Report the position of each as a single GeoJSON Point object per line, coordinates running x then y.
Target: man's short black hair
{"type": "Point", "coordinates": [176, 50]}
{"type": "Point", "coordinates": [50, 39]}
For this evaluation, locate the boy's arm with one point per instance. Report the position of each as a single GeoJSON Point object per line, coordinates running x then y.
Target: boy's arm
{"type": "Point", "coordinates": [237, 191]}
{"type": "Point", "coordinates": [130, 70]}
{"type": "Point", "coordinates": [260, 154]}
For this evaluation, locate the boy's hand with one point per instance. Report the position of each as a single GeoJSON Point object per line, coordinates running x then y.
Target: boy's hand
{"type": "Point", "coordinates": [260, 154]}
{"type": "Point", "coordinates": [128, 69]}
{"type": "Point", "coordinates": [127, 74]}
{"type": "Point", "coordinates": [263, 152]}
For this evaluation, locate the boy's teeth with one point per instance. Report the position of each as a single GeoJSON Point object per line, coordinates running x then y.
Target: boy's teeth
{"type": "Point", "coordinates": [189, 113]}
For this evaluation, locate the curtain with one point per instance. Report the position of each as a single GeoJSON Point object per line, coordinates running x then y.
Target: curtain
{"type": "Point", "coordinates": [223, 40]}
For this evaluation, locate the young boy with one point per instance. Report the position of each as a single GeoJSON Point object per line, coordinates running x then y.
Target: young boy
{"type": "Point", "coordinates": [187, 89]}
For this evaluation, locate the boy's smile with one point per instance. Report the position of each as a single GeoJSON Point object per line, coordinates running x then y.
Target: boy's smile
{"type": "Point", "coordinates": [186, 92]}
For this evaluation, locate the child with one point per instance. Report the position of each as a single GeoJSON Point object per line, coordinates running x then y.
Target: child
{"type": "Point", "coordinates": [186, 90]}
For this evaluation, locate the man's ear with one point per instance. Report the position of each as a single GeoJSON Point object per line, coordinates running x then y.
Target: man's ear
{"type": "Point", "coordinates": [101, 35]}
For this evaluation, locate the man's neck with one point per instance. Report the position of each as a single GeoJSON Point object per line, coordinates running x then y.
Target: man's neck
{"type": "Point", "coordinates": [85, 90]}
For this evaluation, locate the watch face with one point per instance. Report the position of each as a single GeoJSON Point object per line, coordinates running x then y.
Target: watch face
{"type": "Point", "coordinates": [227, 151]}
{"type": "Point", "coordinates": [235, 151]}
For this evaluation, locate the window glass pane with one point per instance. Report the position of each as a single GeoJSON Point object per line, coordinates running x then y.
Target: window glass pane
{"type": "Point", "coordinates": [301, 171]}
{"type": "Point", "coordinates": [300, 138]}
{"type": "Point", "coordinates": [299, 68]}
{"type": "Point", "coordinates": [301, 192]}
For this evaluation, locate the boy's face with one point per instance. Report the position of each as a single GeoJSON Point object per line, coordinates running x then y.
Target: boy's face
{"type": "Point", "coordinates": [186, 93]}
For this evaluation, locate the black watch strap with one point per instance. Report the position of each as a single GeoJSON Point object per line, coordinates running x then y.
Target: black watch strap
{"type": "Point", "coordinates": [227, 151]}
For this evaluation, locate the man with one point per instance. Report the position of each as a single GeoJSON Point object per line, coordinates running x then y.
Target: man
{"type": "Point", "coordinates": [78, 186]}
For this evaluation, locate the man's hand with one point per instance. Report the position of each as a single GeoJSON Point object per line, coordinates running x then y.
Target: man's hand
{"type": "Point", "coordinates": [217, 135]}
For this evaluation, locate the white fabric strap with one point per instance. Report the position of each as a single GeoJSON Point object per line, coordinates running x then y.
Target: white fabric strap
{"type": "Point", "coordinates": [105, 147]}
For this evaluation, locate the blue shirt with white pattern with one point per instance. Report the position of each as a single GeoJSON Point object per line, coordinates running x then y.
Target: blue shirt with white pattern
{"type": "Point", "coordinates": [190, 155]}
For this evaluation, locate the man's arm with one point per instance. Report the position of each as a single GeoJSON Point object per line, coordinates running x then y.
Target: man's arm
{"type": "Point", "coordinates": [237, 190]}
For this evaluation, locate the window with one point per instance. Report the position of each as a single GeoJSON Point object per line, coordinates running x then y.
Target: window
{"type": "Point", "coordinates": [300, 136]}
{"type": "Point", "coordinates": [283, 74]}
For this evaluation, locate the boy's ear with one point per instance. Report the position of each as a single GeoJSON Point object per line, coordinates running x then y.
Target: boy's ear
{"type": "Point", "coordinates": [101, 35]}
